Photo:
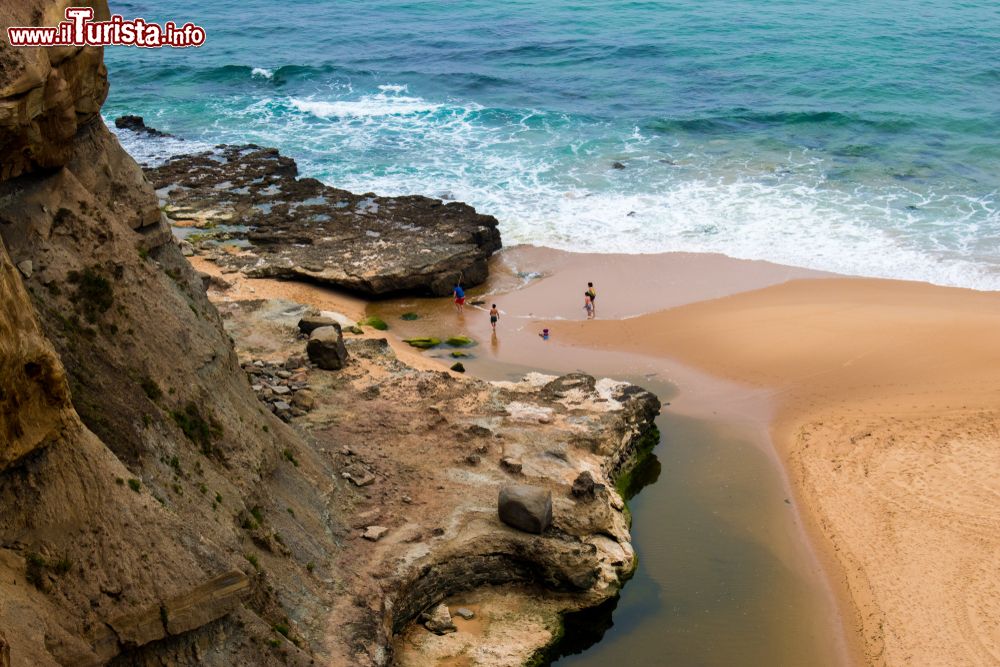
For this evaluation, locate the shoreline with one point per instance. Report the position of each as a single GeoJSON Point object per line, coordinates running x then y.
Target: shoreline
{"type": "Point", "coordinates": [879, 353]}
{"type": "Point", "coordinates": [722, 277]}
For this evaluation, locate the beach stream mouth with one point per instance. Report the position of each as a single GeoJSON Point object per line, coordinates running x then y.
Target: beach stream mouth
{"type": "Point", "coordinates": [727, 574]}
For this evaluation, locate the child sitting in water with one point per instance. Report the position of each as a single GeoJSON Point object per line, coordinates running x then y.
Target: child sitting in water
{"type": "Point", "coordinates": [545, 334]}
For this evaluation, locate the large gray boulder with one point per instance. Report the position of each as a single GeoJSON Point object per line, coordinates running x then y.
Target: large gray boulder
{"type": "Point", "coordinates": [525, 507]}
{"type": "Point", "coordinates": [326, 348]}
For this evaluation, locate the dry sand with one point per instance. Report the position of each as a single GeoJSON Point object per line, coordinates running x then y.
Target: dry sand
{"type": "Point", "coordinates": [888, 412]}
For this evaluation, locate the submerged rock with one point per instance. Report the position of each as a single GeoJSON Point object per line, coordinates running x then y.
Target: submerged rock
{"type": "Point", "coordinates": [525, 507]}
{"type": "Point", "coordinates": [306, 230]}
{"type": "Point", "coordinates": [326, 348]}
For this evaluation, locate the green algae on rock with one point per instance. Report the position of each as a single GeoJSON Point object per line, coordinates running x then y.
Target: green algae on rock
{"type": "Point", "coordinates": [422, 343]}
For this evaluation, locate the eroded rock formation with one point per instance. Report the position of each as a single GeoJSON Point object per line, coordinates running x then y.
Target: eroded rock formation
{"type": "Point", "coordinates": [301, 229]}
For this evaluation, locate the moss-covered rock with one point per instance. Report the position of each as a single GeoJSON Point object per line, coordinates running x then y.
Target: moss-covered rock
{"type": "Point", "coordinates": [458, 367]}
{"type": "Point", "coordinates": [460, 341]}
{"type": "Point", "coordinates": [422, 343]}
{"type": "Point", "coordinates": [374, 322]}
{"type": "Point", "coordinates": [458, 354]}
{"type": "Point", "coordinates": [409, 317]}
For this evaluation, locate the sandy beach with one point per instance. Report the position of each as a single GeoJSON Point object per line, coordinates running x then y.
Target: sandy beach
{"type": "Point", "coordinates": [886, 415]}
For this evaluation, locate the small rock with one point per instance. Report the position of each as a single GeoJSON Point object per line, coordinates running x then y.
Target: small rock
{"type": "Point", "coordinates": [283, 374]}
{"type": "Point", "coordinates": [438, 620]}
{"type": "Point", "coordinates": [525, 507]}
{"type": "Point", "coordinates": [346, 451]}
{"type": "Point", "coordinates": [359, 476]}
{"type": "Point", "coordinates": [407, 499]}
{"type": "Point", "coordinates": [511, 465]}
{"type": "Point", "coordinates": [309, 324]}
{"type": "Point", "coordinates": [326, 348]}
{"type": "Point", "coordinates": [281, 390]}
{"type": "Point", "coordinates": [583, 486]}
{"type": "Point", "coordinates": [186, 248]}
{"type": "Point", "coordinates": [304, 399]}
{"type": "Point", "coordinates": [26, 268]}
{"type": "Point", "coordinates": [281, 406]}
{"type": "Point", "coordinates": [472, 459]}
{"type": "Point", "coordinates": [458, 367]}
{"type": "Point", "coordinates": [463, 612]}
{"type": "Point", "coordinates": [376, 533]}
{"type": "Point", "coordinates": [617, 165]}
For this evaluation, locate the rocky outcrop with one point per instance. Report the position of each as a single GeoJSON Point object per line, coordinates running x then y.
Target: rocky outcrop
{"type": "Point", "coordinates": [422, 454]}
{"type": "Point", "coordinates": [46, 95]}
{"type": "Point", "coordinates": [35, 406]}
{"type": "Point", "coordinates": [301, 229]}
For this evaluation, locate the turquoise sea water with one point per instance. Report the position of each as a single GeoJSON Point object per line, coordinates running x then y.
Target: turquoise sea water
{"type": "Point", "coordinates": [859, 137]}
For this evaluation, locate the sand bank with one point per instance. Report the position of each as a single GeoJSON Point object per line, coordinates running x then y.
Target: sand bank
{"type": "Point", "coordinates": [887, 398]}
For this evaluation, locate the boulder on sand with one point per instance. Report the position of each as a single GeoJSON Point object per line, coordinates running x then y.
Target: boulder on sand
{"type": "Point", "coordinates": [326, 348]}
{"type": "Point", "coordinates": [525, 507]}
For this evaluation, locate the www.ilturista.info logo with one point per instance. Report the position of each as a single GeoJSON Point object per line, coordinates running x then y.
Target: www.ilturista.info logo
{"type": "Point", "coordinates": [80, 30]}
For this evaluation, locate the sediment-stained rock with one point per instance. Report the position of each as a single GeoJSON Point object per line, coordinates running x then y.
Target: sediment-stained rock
{"type": "Point", "coordinates": [302, 229]}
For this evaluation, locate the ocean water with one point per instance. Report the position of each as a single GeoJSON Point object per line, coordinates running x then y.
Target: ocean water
{"type": "Point", "coordinates": [857, 137]}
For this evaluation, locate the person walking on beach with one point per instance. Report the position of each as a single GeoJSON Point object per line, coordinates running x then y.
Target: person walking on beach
{"type": "Point", "coordinates": [494, 316]}
{"type": "Point", "coordinates": [592, 293]}
{"type": "Point", "coordinates": [459, 297]}
{"type": "Point", "coordinates": [588, 305]}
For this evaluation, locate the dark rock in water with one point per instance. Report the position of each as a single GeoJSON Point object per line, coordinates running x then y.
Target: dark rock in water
{"type": "Point", "coordinates": [409, 317]}
{"type": "Point", "coordinates": [326, 348]}
{"type": "Point", "coordinates": [309, 324]}
{"type": "Point", "coordinates": [303, 229]}
{"type": "Point", "coordinates": [617, 165]}
{"type": "Point", "coordinates": [527, 508]}
{"type": "Point", "coordinates": [137, 124]}
{"type": "Point", "coordinates": [584, 486]}
{"type": "Point", "coordinates": [458, 367]}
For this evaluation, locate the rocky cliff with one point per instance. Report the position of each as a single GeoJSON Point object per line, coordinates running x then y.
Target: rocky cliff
{"type": "Point", "coordinates": [154, 510]}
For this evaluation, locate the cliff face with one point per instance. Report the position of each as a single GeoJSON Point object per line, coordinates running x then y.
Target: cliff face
{"type": "Point", "coordinates": [129, 437]}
